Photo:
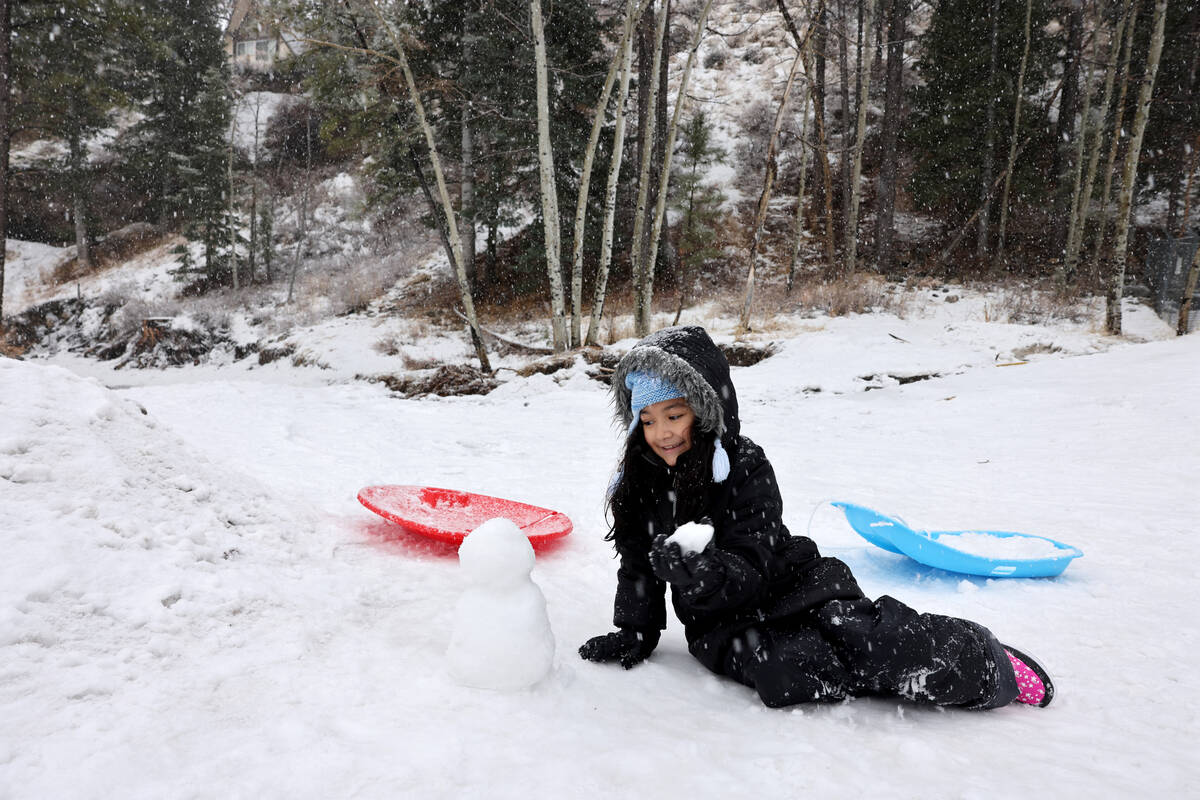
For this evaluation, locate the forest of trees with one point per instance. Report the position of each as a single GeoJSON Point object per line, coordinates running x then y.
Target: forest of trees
{"type": "Point", "coordinates": [1027, 131]}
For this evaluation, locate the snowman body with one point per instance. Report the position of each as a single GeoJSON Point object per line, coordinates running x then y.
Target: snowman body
{"type": "Point", "coordinates": [501, 637]}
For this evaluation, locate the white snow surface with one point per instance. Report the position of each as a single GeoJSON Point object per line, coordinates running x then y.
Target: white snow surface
{"type": "Point", "coordinates": [29, 265]}
{"type": "Point", "coordinates": [193, 604]}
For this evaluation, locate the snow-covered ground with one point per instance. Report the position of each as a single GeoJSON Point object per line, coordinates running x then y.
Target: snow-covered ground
{"type": "Point", "coordinates": [193, 604]}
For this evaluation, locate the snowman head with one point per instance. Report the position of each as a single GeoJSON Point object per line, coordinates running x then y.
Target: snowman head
{"type": "Point", "coordinates": [496, 554]}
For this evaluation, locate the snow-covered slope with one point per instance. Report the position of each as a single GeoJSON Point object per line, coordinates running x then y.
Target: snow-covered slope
{"type": "Point", "coordinates": [193, 604]}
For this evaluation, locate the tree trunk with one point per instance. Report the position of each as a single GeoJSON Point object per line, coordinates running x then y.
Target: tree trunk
{"type": "Point", "coordinates": [610, 193]}
{"type": "Point", "coordinates": [1084, 205]}
{"type": "Point", "coordinates": [632, 14]}
{"type": "Point", "coordinates": [251, 255]}
{"type": "Point", "coordinates": [822, 32]}
{"type": "Point", "coordinates": [1065, 163]}
{"type": "Point", "coordinates": [989, 147]}
{"type": "Point", "coordinates": [233, 262]}
{"type": "Point", "coordinates": [1114, 143]}
{"type": "Point", "coordinates": [466, 186]}
{"type": "Point", "coordinates": [844, 82]}
{"type": "Point", "coordinates": [798, 236]}
{"type": "Point", "coordinates": [668, 154]}
{"type": "Point", "coordinates": [1016, 133]}
{"type": "Point", "coordinates": [885, 226]}
{"type": "Point", "coordinates": [460, 271]}
{"type": "Point", "coordinates": [549, 189]}
{"type": "Point", "coordinates": [641, 297]}
{"type": "Point", "coordinates": [656, 239]}
{"type": "Point", "coordinates": [860, 133]}
{"type": "Point", "coordinates": [764, 197]}
{"type": "Point", "coordinates": [5, 80]}
{"type": "Point", "coordinates": [1189, 291]}
{"type": "Point", "coordinates": [302, 212]}
{"type": "Point", "coordinates": [1116, 275]}
{"type": "Point", "coordinates": [1066, 269]}
{"type": "Point", "coordinates": [79, 207]}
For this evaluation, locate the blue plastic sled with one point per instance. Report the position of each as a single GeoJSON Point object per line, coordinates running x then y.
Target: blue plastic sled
{"type": "Point", "coordinates": [995, 554]}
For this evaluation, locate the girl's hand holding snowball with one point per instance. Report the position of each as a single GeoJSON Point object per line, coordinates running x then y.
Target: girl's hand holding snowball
{"type": "Point", "coordinates": [692, 570]}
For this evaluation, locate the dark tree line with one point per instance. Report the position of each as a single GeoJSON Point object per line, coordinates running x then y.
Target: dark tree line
{"type": "Point", "coordinates": [1015, 125]}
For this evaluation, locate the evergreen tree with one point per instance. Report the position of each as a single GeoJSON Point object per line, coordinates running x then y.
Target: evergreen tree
{"type": "Point", "coordinates": [177, 153]}
{"type": "Point", "coordinates": [699, 202]}
{"type": "Point", "coordinates": [1171, 152]}
{"type": "Point", "coordinates": [950, 104]}
{"type": "Point", "coordinates": [68, 73]}
{"type": "Point", "coordinates": [484, 82]}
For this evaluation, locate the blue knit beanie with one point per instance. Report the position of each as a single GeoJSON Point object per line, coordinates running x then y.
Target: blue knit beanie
{"type": "Point", "coordinates": [646, 389]}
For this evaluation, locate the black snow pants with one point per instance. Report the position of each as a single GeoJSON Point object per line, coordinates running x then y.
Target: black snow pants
{"type": "Point", "coordinates": [859, 647]}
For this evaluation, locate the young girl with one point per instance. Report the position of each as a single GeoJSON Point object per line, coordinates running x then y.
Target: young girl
{"type": "Point", "coordinates": [758, 604]}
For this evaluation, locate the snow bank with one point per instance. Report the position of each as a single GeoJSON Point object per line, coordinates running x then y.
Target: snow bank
{"type": "Point", "coordinates": [191, 600]}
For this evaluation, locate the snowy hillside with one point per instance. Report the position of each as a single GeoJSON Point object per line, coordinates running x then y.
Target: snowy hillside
{"type": "Point", "coordinates": [194, 604]}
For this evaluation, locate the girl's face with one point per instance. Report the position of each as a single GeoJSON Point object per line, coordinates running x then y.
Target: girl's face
{"type": "Point", "coordinates": [667, 427]}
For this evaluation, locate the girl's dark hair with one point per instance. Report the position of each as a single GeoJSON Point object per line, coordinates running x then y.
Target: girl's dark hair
{"type": "Point", "coordinates": [631, 495]}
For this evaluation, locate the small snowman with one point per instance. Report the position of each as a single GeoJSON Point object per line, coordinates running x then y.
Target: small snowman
{"type": "Point", "coordinates": [501, 637]}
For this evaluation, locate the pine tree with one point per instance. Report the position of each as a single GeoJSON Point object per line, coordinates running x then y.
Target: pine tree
{"type": "Point", "coordinates": [956, 88]}
{"type": "Point", "coordinates": [177, 152]}
{"type": "Point", "coordinates": [699, 202]}
{"type": "Point", "coordinates": [68, 74]}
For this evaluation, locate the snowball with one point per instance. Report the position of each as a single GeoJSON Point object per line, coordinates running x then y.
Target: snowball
{"type": "Point", "coordinates": [692, 537]}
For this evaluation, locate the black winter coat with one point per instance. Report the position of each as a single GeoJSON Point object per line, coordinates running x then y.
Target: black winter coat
{"type": "Point", "coordinates": [765, 573]}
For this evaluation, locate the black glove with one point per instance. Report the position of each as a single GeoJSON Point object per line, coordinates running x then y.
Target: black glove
{"type": "Point", "coordinates": [667, 561]}
{"type": "Point", "coordinates": [691, 572]}
{"type": "Point", "coordinates": [626, 646]}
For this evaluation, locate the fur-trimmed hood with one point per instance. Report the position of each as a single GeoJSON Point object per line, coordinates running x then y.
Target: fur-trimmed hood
{"type": "Point", "coordinates": [686, 357]}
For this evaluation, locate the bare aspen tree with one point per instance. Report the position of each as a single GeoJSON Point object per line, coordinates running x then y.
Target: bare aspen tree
{"type": "Point", "coordinates": [549, 190]}
{"type": "Point", "coordinates": [989, 146]}
{"type": "Point", "coordinates": [610, 193]}
{"type": "Point", "coordinates": [5, 80]}
{"type": "Point", "coordinates": [822, 17]}
{"type": "Point", "coordinates": [1114, 142]}
{"type": "Point", "coordinates": [764, 197]}
{"type": "Point", "coordinates": [1116, 273]}
{"type": "Point", "coordinates": [1065, 270]}
{"type": "Point", "coordinates": [1016, 132]}
{"type": "Point", "coordinates": [668, 153]}
{"type": "Point", "coordinates": [798, 235]}
{"type": "Point", "coordinates": [641, 298]}
{"type": "Point", "coordinates": [252, 249]}
{"type": "Point", "coordinates": [232, 212]}
{"type": "Point", "coordinates": [860, 133]}
{"type": "Point", "coordinates": [1083, 208]}
{"type": "Point", "coordinates": [885, 227]}
{"type": "Point", "coordinates": [632, 14]}
{"type": "Point", "coordinates": [302, 212]}
{"type": "Point", "coordinates": [844, 87]}
{"type": "Point", "coordinates": [466, 187]}
{"type": "Point", "coordinates": [815, 72]}
{"type": "Point", "coordinates": [79, 206]}
{"type": "Point", "coordinates": [1189, 291]}
{"type": "Point", "coordinates": [443, 194]}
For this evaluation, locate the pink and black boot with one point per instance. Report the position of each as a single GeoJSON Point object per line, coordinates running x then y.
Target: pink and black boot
{"type": "Point", "coordinates": [1034, 685]}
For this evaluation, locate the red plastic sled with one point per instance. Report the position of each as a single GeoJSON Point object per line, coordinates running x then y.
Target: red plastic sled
{"type": "Point", "coordinates": [449, 515]}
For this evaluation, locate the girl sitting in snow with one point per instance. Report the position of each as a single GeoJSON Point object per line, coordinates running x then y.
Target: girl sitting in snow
{"type": "Point", "coordinates": [758, 604]}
